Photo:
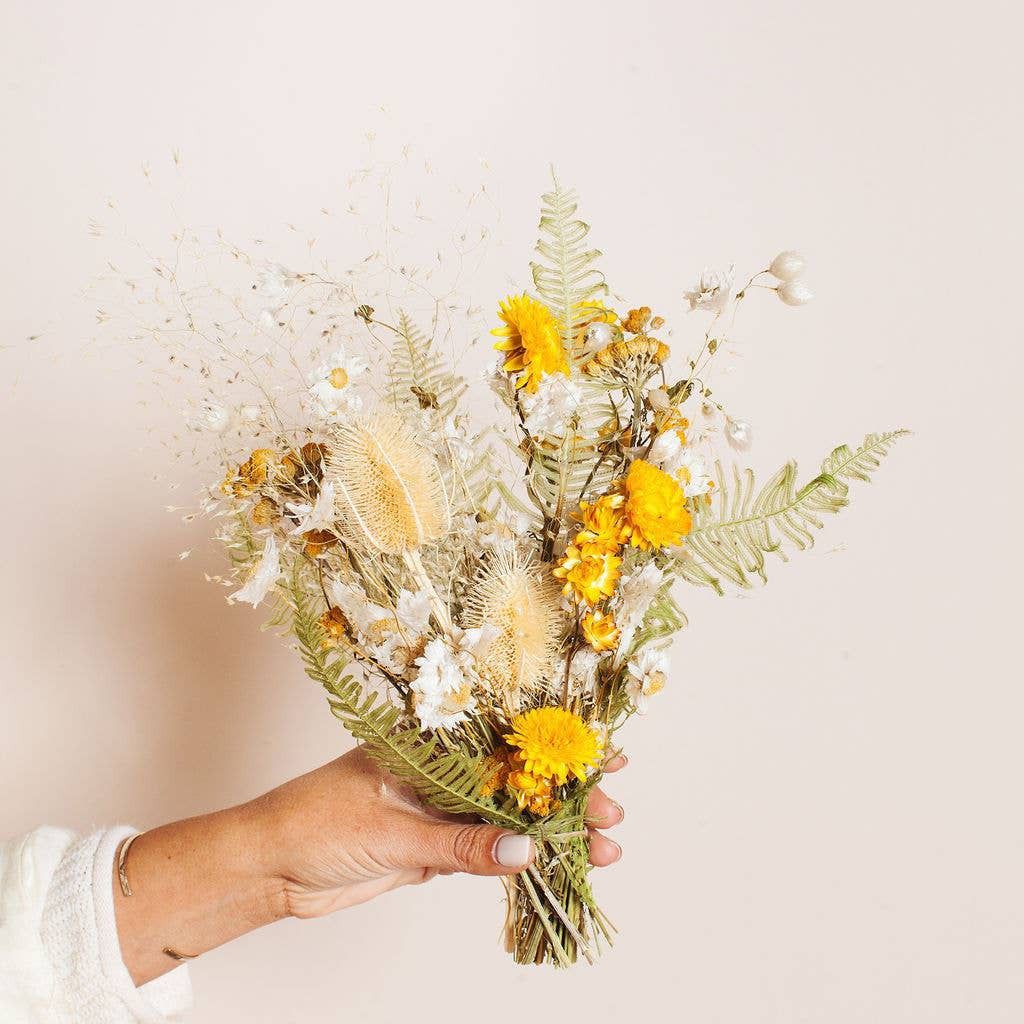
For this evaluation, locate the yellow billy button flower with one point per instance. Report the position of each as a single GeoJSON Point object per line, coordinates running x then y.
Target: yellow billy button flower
{"type": "Point", "coordinates": [553, 743]}
{"type": "Point", "coordinates": [600, 631]}
{"type": "Point", "coordinates": [655, 507]}
{"type": "Point", "coordinates": [531, 341]}
{"type": "Point", "coordinates": [589, 573]}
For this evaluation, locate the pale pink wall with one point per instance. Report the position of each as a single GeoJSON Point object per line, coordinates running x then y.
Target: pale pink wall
{"type": "Point", "coordinates": [823, 810]}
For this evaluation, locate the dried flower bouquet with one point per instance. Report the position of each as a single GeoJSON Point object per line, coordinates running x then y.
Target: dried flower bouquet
{"type": "Point", "coordinates": [485, 634]}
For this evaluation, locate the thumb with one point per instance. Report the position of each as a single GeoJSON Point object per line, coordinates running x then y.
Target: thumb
{"type": "Point", "coordinates": [476, 849]}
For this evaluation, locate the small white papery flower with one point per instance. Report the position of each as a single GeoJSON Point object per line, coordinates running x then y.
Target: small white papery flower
{"type": "Point", "coordinates": [794, 293]}
{"type": "Point", "coordinates": [583, 670]}
{"type": "Point", "coordinates": [363, 613]}
{"type": "Point", "coordinates": [332, 384]}
{"type": "Point", "coordinates": [263, 576]}
{"type": "Point", "coordinates": [249, 413]}
{"type": "Point", "coordinates": [318, 516]}
{"type": "Point", "coordinates": [788, 265]}
{"type": "Point", "coordinates": [648, 673]}
{"type": "Point", "coordinates": [635, 594]}
{"type": "Point", "coordinates": [712, 291]}
{"type": "Point", "coordinates": [666, 451]}
{"type": "Point", "coordinates": [413, 612]}
{"type": "Point", "coordinates": [548, 410]}
{"type": "Point", "coordinates": [442, 690]}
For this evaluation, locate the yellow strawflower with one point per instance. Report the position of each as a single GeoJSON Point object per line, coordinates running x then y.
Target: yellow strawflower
{"type": "Point", "coordinates": [655, 507]}
{"type": "Point", "coordinates": [600, 631]}
{"type": "Point", "coordinates": [553, 744]}
{"type": "Point", "coordinates": [603, 524]}
{"type": "Point", "coordinates": [589, 573]}
{"type": "Point", "coordinates": [531, 340]}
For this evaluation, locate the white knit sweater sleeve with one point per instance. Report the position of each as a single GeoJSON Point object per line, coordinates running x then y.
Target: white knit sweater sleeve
{"type": "Point", "coordinates": [60, 959]}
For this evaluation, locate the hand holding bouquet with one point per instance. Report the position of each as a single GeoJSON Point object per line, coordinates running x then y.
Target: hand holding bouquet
{"type": "Point", "coordinates": [484, 632]}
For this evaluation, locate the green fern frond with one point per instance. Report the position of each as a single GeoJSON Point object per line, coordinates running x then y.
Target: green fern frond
{"type": "Point", "coordinates": [417, 375]}
{"type": "Point", "coordinates": [451, 781]}
{"type": "Point", "coordinates": [565, 276]}
{"type": "Point", "coordinates": [730, 540]}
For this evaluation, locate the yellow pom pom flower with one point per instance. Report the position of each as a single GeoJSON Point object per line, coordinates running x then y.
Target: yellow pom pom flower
{"type": "Point", "coordinates": [553, 744]}
{"type": "Point", "coordinates": [589, 573]}
{"type": "Point", "coordinates": [600, 631]}
{"type": "Point", "coordinates": [655, 507]}
{"type": "Point", "coordinates": [531, 340]}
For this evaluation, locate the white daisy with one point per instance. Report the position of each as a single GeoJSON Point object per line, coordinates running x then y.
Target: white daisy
{"type": "Point", "coordinates": [692, 474]}
{"type": "Point", "coordinates": [332, 384]}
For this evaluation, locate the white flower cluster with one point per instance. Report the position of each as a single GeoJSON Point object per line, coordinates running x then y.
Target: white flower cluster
{"type": "Point", "coordinates": [549, 409]}
{"type": "Point", "coordinates": [443, 687]}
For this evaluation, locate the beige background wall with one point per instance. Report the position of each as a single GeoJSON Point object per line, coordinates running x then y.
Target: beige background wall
{"type": "Point", "coordinates": [824, 814]}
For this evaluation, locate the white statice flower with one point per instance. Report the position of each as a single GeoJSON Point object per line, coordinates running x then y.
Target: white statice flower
{"type": "Point", "coordinates": [442, 690]}
{"type": "Point", "coordinates": [263, 576]}
{"type": "Point", "coordinates": [249, 414]}
{"type": "Point", "coordinates": [549, 409]}
{"type": "Point", "coordinates": [635, 594]}
{"type": "Point", "coordinates": [332, 384]}
{"type": "Point", "coordinates": [318, 516]}
{"type": "Point", "coordinates": [712, 291]}
{"type": "Point", "coordinates": [648, 673]}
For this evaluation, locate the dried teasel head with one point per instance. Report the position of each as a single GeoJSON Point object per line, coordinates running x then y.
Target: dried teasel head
{"type": "Point", "coordinates": [388, 490]}
{"type": "Point", "coordinates": [522, 602]}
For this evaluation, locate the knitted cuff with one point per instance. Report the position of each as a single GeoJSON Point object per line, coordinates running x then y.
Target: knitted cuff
{"type": "Point", "coordinates": [80, 936]}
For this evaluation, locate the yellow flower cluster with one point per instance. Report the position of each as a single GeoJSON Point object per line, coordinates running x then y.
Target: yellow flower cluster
{"type": "Point", "coordinates": [647, 509]}
{"type": "Point", "coordinates": [545, 747]}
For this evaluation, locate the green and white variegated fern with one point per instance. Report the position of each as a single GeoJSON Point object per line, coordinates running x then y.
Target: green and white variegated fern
{"type": "Point", "coordinates": [730, 539]}
{"type": "Point", "coordinates": [417, 375]}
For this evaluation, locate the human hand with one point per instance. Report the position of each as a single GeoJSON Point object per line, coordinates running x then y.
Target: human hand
{"type": "Point", "coordinates": [349, 831]}
{"type": "Point", "coordinates": [330, 839]}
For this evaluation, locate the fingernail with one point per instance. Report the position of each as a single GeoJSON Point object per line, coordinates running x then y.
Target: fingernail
{"type": "Point", "coordinates": [513, 851]}
{"type": "Point", "coordinates": [619, 808]}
